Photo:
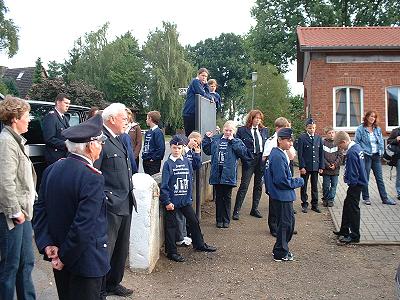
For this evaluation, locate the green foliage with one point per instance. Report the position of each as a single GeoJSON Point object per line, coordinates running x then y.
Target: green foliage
{"type": "Point", "coordinates": [37, 74]}
{"type": "Point", "coordinates": [297, 114]}
{"type": "Point", "coordinates": [3, 88]}
{"type": "Point", "coordinates": [54, 69]}
{"type": "Point", "coordinates": [11, 87]}
{"type": "Point", "coordinates": [8, 32]}
{"type": "Point", "coordinates": [271, 94]}
{"type": "Point", "coordinates": [273, 39]}
{"type": "Point", "coordinates": [79, 92]}
{"type": "Point", "coordinates": [227, 60]}
{"type": "Point", "coordinates": [168, 70]}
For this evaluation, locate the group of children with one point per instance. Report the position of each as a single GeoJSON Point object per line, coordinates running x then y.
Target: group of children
{"type": "Point", "coordinates": [316, 156]}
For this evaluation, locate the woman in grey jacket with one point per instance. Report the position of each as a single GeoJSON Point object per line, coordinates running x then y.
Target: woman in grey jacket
{"type": "Point", "coordinates": [17, 194]}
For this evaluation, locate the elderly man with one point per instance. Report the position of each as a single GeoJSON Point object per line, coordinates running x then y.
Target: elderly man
{"type": "Point", "coordinates": [69, 220]}
{"type": "Point", "coordinates": [53, 124]}
{"type": "Point", "coordinates": [116, 168]}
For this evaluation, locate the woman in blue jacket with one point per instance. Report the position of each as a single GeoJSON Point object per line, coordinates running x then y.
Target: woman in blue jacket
{"type": "Point", "coordinates": [369, 137]}
{"type": "Point", "coordinates": [225, 150]}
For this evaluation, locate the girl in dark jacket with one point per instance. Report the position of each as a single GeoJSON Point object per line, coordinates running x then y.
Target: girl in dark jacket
{"type": "Point", "coordinates": [225, 150]}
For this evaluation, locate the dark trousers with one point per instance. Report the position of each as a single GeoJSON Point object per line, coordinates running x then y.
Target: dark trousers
{"type": "Point", "coordinates": [223, 203]}
{"type": "Point", "coordinates": [118, 246]}
{"type": "Point", "coordinates": [16, 261]}
{"type": "Point", "coordinates": [285, 222]}
{"type": "Point", "coordinates": [74, 287]}
{"type": "Point", "coordinates": [137, 162]}
{"type": "Point", "coordinates": [171, 226]}
{"type": "Point", "coordinates": [272, 219]}
{"type": "Point", "coordinates": [351, 213]}
{"type": "Point", "coordinates": [189, 124]}
{"type": "Point", "coordinates": [314, 189]}
{"type": "Point", "coordinates": [255, 167]}
{"type": "Point", "coordinates": [151, 167]}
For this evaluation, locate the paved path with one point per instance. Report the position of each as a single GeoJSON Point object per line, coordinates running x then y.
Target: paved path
{"type": "Point", "coordinates": [380, 224]}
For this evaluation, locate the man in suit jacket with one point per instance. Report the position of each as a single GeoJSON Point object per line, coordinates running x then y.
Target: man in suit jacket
{"type": "Point", "coordinates": [311, 163]}
{"type": "Point", "coordinates": [70, 215]}
{"type": "Point", "coordinates": [254, 136]}
{"type": "Point", "coordinates": [53, 124]}
{"type": "Point", "coordinates": [116, 168]}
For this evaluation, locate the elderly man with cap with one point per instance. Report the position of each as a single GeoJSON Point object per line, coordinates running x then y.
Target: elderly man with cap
{"type": "Point", "coordinates": [69, 221]}
{"type": "Point", "coordinates": [311, 163]}
{"type": "Point", "coordinates": [281, 187]}
{"type": "Point", "coordinates": [115, 165]}
{"type": "Point", "coordinates": [176, 194]}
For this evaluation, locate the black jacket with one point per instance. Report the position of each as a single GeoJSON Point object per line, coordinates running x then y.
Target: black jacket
{"type": "Point", "coordinates": [310, 152]}
{"type": "Point", "coordinates": [244, 133]}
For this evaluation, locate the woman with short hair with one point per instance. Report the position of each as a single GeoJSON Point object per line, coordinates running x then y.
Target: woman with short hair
{"type": "Point", "coordinates": [17, 194]}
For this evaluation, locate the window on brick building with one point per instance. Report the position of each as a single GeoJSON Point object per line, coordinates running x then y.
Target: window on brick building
{"type": "Point", "coordinates": [392, 105]}
{"type": "Point", "coordinates": [347, 107]}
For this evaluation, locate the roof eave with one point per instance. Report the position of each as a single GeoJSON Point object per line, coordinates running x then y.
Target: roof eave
{"type": "Point", "coordinates": [347, 48]}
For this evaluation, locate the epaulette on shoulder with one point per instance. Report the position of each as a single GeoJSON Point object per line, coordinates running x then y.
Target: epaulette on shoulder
{"type": "Point", "coordinates": [51, 112]}
{"type": "Point", "coordinates": [93, 169]}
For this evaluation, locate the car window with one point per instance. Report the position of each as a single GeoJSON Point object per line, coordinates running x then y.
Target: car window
{"type": "Point", "coordinates": [34, 134]}
{"type": "Point", "coordinates": [73, 118]}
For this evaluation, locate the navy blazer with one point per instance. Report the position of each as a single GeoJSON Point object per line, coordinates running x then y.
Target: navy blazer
{"type": "Point", "coordinates": [116, 167]}
{"type": "Point", "coordinates": [310, 153]}
{"type": "Point", "coordinates": [244, 133]}
{"type": "Point", "coordinates": [70, 213]}
{"type": "Point", "coordinates": [52, 126]}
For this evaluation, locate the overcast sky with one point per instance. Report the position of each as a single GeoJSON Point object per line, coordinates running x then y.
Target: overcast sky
{"type": "Point", "coordinates": [48, 28]}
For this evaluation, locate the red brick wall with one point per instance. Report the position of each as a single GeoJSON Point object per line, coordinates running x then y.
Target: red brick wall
{"type": "Point", "coordinates": [373, 78]}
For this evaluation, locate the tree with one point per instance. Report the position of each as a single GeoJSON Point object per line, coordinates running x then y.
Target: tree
{"type": "Point", "coordinates": [227, 60]}
{"type": "Point", "coordinates": [11, 86]}
{"type": "Point", "coordinates": [8, 32]}
{"type": "Point", "coordinates": [168, 70]}
{"type": "Point", "coordinates": [55, 70]}
{"type": "Point", "coordinates": [80, 92]}
{"type": "Point", "coordinates": [273, 39]}
{"type": "Point", "coordinates": [296, 115]}
{"type": "Point", "coordinates": [37, 74]}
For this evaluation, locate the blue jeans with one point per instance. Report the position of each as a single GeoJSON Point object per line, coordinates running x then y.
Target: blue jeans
{"type": "Point", "coordinates": [374, 162]}
{"type": "Point", "coordinates": [16, 261]}
{"type": "Point", "coordinates": [329, 184]}
{"type": "Point", "coordinates": [398, 178]}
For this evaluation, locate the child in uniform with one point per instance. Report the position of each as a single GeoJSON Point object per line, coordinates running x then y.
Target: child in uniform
{"type": "Point", "coordinates": [154, 144]}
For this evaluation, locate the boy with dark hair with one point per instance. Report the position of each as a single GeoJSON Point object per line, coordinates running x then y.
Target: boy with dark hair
{"type": "Point", "coordinates": [332, 159]}
{"type": "Point", "coordinates": [281, 187]}
{"type": "Point", "coordinates": [356, 178]}
{"type": "Point", "coordinates": [311, 163]}
{"type": "Point", "coordinates": [154, 144]}
{"type": "Point", "coordinates": [176, 194]}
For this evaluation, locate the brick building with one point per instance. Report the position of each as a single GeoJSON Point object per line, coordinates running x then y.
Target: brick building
{"type": "Point", "coordinates": [347, 71]}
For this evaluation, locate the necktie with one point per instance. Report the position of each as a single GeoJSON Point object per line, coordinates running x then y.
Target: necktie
{"type": "Point", "coordinates": [65, 121]}
{"type": "Point", "coordinates": [256, 141]}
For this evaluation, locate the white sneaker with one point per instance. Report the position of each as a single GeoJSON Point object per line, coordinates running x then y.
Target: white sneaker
{"type": "Point", "coordinates": [187, 240]}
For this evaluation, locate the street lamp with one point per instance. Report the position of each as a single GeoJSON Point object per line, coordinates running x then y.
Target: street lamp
{"type": "Point", "coordinates": [253, 79]}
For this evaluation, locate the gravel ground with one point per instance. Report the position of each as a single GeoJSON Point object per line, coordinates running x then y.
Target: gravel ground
{"type": "Point", "coordinates": [243, 267]}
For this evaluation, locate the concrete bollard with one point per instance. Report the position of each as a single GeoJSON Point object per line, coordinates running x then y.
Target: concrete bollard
{"type": "Point", "coordinates": [144, 244]}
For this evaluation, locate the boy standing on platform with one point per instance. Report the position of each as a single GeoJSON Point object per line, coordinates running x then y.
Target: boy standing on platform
{"type": "Point", "coordinates": [154, 144]}
{"type": "Point", "coordinates": [281, 187]}
{"type": "Point", "coordinates": [311, 162]}
{"type": "Point", "coordinates": [176, 194]}
{"type": "Point", "coordinates": [356, 178]}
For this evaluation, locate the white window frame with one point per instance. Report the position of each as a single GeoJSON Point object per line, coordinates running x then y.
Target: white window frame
{"type": "Point", "coordinates": [347, 128]}
{"type": "Point", "coordinates": [390, 128]}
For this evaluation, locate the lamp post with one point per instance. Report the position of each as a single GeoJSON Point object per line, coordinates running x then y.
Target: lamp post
{"type": "Point", "coordinates": [254, 80]}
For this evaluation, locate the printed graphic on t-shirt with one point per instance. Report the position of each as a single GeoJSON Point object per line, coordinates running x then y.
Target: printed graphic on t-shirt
{"type": "Point", "coordinates": [147, 139]}
{"type": "Point", "coordinates": [181, 173]}
{"type": "Point", "coordinates": [222, 151]}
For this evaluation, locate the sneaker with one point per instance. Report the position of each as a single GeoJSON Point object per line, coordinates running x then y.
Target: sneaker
{"type": "Point", "coordinates": [389, 201]}
{"type": "Point", "coordinates": [290, 256]}
{"type": "Point", "coordinates": [187, 240]}
{"type": "Point", "coordinates": [367, 202]}
{"type": "Point", "coordinates": [398, 197]}
{"type": "Point", "coordinates": [330, 204]}
{"type": "Point", "coordinates": [285, 258]}
{"type": "Point", "coordinates": [325, 203]}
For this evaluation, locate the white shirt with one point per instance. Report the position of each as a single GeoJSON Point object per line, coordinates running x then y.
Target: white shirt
{"type": "Point", "coordinates": [174, 159]}
{"type": "Point", "coordinates": [259, 138]}
{"type": "Point", "coordinates": [273, 142]}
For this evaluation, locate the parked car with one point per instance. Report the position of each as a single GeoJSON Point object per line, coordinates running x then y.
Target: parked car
{"type": "Point", "coordinates": [35, 144]}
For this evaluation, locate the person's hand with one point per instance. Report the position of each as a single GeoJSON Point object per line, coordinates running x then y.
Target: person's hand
{"type": "Point", "coordinates": [20, 219]}
{"type": "Point", "coordinates": [170, 206]}
{"type": "Point", "coordinates": [193, 144]}
{"type": "Point", "coordinates": [332, 166]}
{"type": "Point", "coordinates": [51, 251]}
{"type": "Point", "coordinates": [57, 264]}
{"type": "Point", "coordinates": [320, 171]}
{"type": "Point", "coordinates": [398, 138]}
{"type": "Point", "coordinates": [209, 134]}
{"type": "Point", "coordinates": [303, 171]}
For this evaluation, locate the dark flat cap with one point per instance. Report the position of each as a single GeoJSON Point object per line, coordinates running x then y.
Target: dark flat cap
{"type": "Point", "coordinates": [87, 131]}
{"type": "Point", "coordinates": [179, 139]}
{"type": "Point", "coordinates": [285, 133]}
{"type": "Point", "coordinates": [310, 121]}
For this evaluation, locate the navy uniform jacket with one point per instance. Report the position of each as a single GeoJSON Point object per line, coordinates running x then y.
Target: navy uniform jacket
{"type": "Point", "coordinates": [310, 154]}
{"type": "Point", "coordinates": [70, 213]}
{"type": "Point", "coordinates": [244, 133]}
{"type": "Point", "coordinates": [154, 145]}
{"type": "Point", "coordinates": [116, 168]}
{"type": "Point", "coordinates": [354, 173]}
{"type": "Point", "coordinates": [52, 126]}
{"type": "Point", "coordinates": [279, 178]}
